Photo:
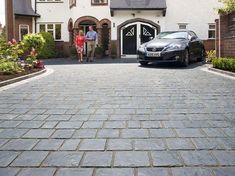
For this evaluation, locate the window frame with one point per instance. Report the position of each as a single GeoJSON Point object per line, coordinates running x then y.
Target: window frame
{"type": "Point", "coordinates": [20, 27]}
{"type": "Point", "coordinates": [50, 1]}
{"type": "Point", "coordinates": [180, 24]}
{"type": "Point", "coordinates": [99, 4]}
{"type": "Point", "coordinates": [211, 30]}
{"type": "Point", "coordinates": [53, 30]}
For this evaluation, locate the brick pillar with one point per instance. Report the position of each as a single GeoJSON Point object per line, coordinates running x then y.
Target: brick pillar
{"type": "Point", "coordinates": [9, 19]}
{"type": "Point", "coordinates": [99, 33]}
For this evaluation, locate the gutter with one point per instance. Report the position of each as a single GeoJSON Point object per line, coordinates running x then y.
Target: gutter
{"type": "Point", "coordinates": [35, 18]}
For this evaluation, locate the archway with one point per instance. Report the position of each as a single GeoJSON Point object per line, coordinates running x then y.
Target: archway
{"type": "Point", "coordinates": [132, 33]}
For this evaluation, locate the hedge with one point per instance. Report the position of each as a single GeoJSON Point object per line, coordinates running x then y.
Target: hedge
{"type": "Point", "coordinates": [48, 51]}
{"type": "Point", "coordinates": [227, 64]}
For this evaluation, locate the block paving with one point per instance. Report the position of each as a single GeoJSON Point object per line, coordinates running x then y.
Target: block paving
{"type": "Point", "coordinates": [119, 120]}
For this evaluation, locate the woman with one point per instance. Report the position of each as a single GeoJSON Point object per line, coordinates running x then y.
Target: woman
{"type": "Point", "coordinates": [79, 42]}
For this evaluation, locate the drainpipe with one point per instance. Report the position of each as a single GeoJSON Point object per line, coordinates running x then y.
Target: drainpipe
{"type": "Point", "coordinates": [219, 38]}
{"type": "Point", "coordinates": [35, 18]}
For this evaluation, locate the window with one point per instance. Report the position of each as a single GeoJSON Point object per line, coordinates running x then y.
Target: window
{"type": "Point", "coordinates": [211, 31]}
{"type": "Point", "coordinates": [53, 29]}
{"type": "Point", "coordinates": [99, 2]}
{"type": "Point", "coordinates": [72, 3]}
{"type": "Point", "coordinates": [183, 26]}
{"type": "Point", "coordinates": [23, 30]}
{"type": "Point", "coordinates": [49, 0]}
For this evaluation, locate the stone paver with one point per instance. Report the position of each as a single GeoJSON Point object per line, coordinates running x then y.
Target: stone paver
{"type": "Point", "coordinates": [72, 171]}
{"type": "Point", "coordinates": [97, 159]}
{"type": "Point", "coordinates": [37, 172]}
{"type": "Point", "coordinates": [30, 158]}
{"type": "Point", "coordinates": [66, 159]}
{"type": "Point", "coordinates": [131, 159]}
{"type": "Point", "coordinates": [119, 120]}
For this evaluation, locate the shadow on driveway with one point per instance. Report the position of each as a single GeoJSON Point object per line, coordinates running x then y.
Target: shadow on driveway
{"type": "Point", "coordinates": [172, 66]}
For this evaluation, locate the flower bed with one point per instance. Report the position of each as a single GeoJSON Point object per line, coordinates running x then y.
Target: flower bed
{"type": "Point", "coordinates": [227, 64]}
{"type": "Point", "coordinates": [18, 59]}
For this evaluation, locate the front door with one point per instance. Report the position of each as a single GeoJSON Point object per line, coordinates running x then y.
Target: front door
{"type": "Point", "coordinates": [133, 35]}
{"type": "Point", "coordinates": [129, 39]}
{"type": "Point", "coordinates": [147, 33]}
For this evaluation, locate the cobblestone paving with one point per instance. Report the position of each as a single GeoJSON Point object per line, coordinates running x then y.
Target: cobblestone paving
{"type": "Point", "coordinates": [119, 120]}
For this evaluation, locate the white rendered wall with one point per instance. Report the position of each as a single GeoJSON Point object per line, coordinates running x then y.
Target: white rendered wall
{"type": "Point", "coordinates": [55, 13]}
{"type": "Point", "coordinates": [197, 13]}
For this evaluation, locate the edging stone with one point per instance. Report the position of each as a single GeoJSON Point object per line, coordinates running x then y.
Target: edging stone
{"type": "Point", "coordinates": [221, 71]}
{"type": "Point", "coordinates": [14, 80]}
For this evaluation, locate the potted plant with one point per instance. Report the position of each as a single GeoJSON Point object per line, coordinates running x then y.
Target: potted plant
{"type": "Point", "coordinates": [113, 50]}
{"type": "Point", "coordinates": [99, 51]}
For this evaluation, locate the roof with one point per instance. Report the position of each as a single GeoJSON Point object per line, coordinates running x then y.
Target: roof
{"type": "Point", "coordinates": [24, 8]}
{"type": "Point", "coordinates": [138, 4]}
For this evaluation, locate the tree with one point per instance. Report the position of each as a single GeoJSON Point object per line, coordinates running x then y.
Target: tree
{"type": "Point", "coordinates": [229, 7]}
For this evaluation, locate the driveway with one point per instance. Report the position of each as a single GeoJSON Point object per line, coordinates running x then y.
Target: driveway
{"type": "Point", "coordinates": [119, 120]}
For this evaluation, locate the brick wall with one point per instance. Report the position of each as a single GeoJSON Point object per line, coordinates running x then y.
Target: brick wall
{"type": "Point", "coordinates": [209, 44]}
{"type": "Point", "coordinates": [9, 19]}
{"type": "Point", "coordinates": [225, 36]}
{"type": "Point", "coordinates": [22, 20]}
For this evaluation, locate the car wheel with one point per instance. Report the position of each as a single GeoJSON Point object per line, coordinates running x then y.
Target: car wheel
{"type": "Point", "coordinates": [186, 58]}
{"type": "Point", "coordinates": [143, 63]}
{"type": "Point", "coordinates": [202, 56]}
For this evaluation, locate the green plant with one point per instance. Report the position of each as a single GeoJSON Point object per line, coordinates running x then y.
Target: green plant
{"type": "Point", "coordinates": [10, 50]}
{"type": "Point", "coordinates": [99, 50]}
{"type": "Point", "coordinates": [229, 6]}
{"type": "Point", "coordinates": [9, 67]}
{"type": "Point", "coordinates": [35, 41]}
{"type": "Point", "coordinates": [48, 49]}
{"type": "Point", "coordinates": [224, 64]}
{"type": "Point", "coordinates": [210, 55]}
{"type": "Point", "coordinates": [73, 50]}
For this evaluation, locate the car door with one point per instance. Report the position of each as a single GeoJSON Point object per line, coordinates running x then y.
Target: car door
{"type": "Point", "coordinates": [194, 46]}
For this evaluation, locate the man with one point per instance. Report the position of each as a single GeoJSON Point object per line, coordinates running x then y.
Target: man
{"type": "Point", "coordinates": [91, 37]}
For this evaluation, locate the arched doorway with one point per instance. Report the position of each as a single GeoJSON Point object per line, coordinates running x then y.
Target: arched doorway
{"type": "Point", "coordinates": [133, 33]}
{"type": "Point", "coordinates": [83, 23]}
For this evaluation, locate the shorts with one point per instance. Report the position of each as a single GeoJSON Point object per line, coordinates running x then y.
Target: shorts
{"type": "Point", "coordinates": [80, 49]}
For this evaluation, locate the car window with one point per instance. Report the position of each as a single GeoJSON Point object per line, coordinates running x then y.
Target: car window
{"type": "Point", "coordinates": [191, 34]}
{"type": "Point", "coordinates": [173, 35]}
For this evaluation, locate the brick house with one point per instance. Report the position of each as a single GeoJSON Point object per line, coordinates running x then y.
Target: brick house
{"type": "Point", "coordinates": [225, 36]}
{"type": "Point", "coordinates": [20, 18]}
{"type": "Point", "coordinates": [127, 23]}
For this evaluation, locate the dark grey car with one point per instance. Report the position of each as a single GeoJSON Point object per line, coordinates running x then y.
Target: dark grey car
{"type": "Point", "coordinates": [172, 46]}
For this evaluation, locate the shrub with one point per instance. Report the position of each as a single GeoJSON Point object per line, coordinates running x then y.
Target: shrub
{"type": "Point", "coordinates": [229, 6]}
{"type": "Point", "coordinates": [11, 50]}
{"type": "Point", "coordinates": [73, 50]}
{"type": "Point", "coordinates": [48, 50]}
{"type": "Point", "coordinates": [99, 50]}
{"type": "Point", "coordinates": [210, 55]}
{"type": "Point", "coordinates": [224, 64]}
{"type": "Point", "coordinates": [35, 41]}
{"type": "Point", "coordinates": [9, 67]}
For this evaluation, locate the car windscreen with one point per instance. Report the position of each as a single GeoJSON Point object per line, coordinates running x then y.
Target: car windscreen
{"type": "Point", "coordinates": [173, 35]}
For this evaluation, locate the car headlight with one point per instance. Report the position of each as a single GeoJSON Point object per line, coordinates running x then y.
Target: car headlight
{"type": "Point", "coordinates": [141, 48]}
{"type": "Point", "coordinates": [175, 47]}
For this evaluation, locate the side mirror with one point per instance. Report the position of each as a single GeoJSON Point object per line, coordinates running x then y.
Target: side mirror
{"type": "Point", "coordinates": [193, 38]}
